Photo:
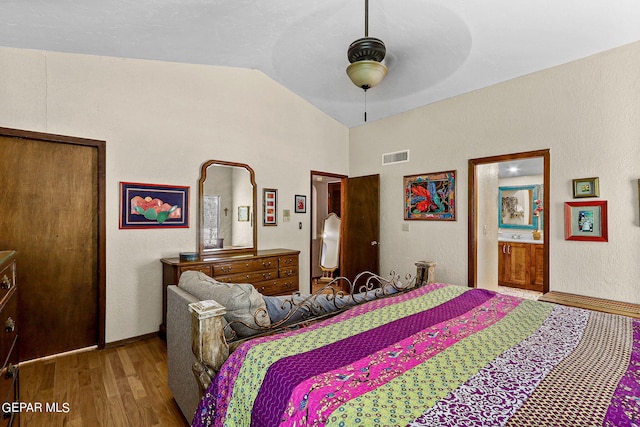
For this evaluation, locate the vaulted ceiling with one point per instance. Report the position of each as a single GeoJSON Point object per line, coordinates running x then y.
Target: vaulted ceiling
{"type": "Point", "coordinates": [436, 49]}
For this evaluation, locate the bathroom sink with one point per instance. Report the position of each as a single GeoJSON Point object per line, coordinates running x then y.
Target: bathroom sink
{"type": "Point", "coordinates": [524, 238]}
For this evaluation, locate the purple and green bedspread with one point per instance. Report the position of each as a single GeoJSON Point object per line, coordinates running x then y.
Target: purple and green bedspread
{"type": "Point", "coordinates": [441, 355]}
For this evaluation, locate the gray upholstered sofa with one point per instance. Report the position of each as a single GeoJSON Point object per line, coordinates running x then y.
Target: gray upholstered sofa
{"type": "Point", "coordinates": [182, 382]}
{"type": "Point", "coordinates": [242, 302]}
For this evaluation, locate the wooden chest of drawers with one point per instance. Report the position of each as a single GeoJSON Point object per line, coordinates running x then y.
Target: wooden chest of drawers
{"type": "Point", "coordinates": [272, 272]}
{"type": "Point", "coordinates": [9, 357]}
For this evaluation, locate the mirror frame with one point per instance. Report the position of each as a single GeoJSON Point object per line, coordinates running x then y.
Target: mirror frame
{"type": "Point", "coordinates": [534, 196]}
{"type": "Point", "coordinates": [253, 215]}
{"type": "Point", "coordinates": [330, 218]}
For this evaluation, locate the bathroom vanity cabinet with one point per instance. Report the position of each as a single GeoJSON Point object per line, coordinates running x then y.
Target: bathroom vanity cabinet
{"type": "Point", "coordinates": [521, 265]}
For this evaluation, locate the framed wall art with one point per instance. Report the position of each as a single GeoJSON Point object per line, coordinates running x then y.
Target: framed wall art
{"type": "Point", "coordinates": [153, 206]}
{"type": "Point", "coordinates": [301, 204]}
{"type": "Point", "coordinates": [243, 213]}
{"type": "Point", "coordinates": [270, 206]}
{"type": "Point", "coordinates": [586, 187]}
{"type": "Point", "coordinates": [430, 196]}
{"type": "Point", "coordinates": [586, 221]}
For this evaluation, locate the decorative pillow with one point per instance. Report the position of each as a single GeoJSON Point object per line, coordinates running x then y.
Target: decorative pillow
{"type": "Point", "coordinates": [241, 300]}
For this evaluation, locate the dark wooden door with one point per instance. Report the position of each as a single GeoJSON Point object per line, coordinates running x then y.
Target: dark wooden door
{"type": "Point", "coordinates": [51, 198]}
{"type": "Point", "coordinates": [361, 226]}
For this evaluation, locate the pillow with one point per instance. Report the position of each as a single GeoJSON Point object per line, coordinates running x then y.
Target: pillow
{"type": "Point", "coordinates": [241, 300]}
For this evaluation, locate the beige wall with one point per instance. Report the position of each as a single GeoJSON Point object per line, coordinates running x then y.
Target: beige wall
{"type": "Point", "coordinates": [586, 112]}
{"type": "Point", "coordinates": [161, 121]}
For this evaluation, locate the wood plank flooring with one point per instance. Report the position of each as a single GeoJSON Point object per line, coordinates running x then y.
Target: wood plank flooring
{"type": "Point", "coordinates": [121, 386]}
{"type": "Point", "coordinates": [591, 303]}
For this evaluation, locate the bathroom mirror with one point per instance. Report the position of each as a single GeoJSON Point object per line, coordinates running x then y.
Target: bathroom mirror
{"type": "Point", "coordinates": [330, 246]}
{"type": "Point", "coordinates": [516, 205]}
{"type": "Point", "coordinates": [226, 215]}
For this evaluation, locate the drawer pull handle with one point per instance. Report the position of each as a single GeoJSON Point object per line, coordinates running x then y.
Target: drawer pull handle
{"type": "Point", "coordinates": [266, 263]}
{"type": "Point", "coordinates": [10, 325]}
{"type": "Point", "coordinates": [11, 371]}
{"type": "Point", "coordinates": [266, 275]}
{"type": "Point", "coordinates": [6, 283]}
{"type": "Point", "coordinates": [262, 289]}
{"type": "Point", "coordinates": [226, 269]}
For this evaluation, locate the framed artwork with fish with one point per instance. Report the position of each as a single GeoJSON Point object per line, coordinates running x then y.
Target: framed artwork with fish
{"type": "Point", "coordinates": [430, 196]}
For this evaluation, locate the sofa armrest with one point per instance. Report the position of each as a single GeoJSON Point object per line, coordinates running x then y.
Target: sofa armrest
{"type": "Point", "coordinates": [182, 382]}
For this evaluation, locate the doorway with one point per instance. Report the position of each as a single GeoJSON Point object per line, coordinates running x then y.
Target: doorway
{"type": "Point", "coordinates": [360, 222]}
{"type": "Point", "coordinates": [55, 186]}
{"type": "Point", "coordinates": [483, 228]}
{"type": "Point", "coordinates": [326, 198]}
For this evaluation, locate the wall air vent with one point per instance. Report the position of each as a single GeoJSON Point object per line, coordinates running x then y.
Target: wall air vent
{"type": "Point", "coordinates": [395, 157]}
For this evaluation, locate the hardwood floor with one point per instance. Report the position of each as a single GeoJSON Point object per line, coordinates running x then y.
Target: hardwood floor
{"type": "Point", "coordinates": [121, 386]}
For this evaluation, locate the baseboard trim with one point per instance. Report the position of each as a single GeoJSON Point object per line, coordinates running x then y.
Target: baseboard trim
{"type": "Point", "coordinates": [93, 347]}
{"type": "Point", "coordinates": [55, 356]}
{"type": "Point", "coordinates": [130, 340]}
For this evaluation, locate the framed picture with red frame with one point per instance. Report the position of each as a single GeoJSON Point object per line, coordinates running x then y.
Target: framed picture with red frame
{"type": "Point", "coordinates": [586, 221]}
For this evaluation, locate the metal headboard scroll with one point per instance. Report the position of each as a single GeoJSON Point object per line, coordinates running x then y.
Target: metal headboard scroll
{"type": "Point", "coordinates": [327, 301]}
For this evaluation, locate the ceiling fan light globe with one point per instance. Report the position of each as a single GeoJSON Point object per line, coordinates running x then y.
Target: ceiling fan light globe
{"type": "Point", "coordinates": [367, 73]}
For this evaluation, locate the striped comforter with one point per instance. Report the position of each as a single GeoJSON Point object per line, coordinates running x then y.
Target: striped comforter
{"type": "Point", "coordinates": [440, 355]}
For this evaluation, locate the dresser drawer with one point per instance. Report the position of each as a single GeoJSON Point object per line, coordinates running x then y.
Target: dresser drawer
{"type": "Point", "coordinates": [288, 261]}
{"type": "Point", "coordinates": [288, 272]}
{"type": "Point", "coordinates": [206, 269]}
{"type": "Point", "coordinates": [10, 418]}
{"type": "Point", "coordinates": [226, 268]}
{"type": "Point", "coordinates": [7, 280]}
{"type": "Point", "coordinates": [249, 277]}
{"type": "Point", "coordinates": [9, 325]}
{"type": "Point", "coordinates": [9, 374]}
{"type": "Point", "coordinates": [284, 286]}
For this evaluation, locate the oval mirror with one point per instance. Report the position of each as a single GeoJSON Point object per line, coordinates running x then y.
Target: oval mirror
{"type": "Point", "coordinates": [330, 245]}
{"type": "Point", "coordinates": [227, 216]}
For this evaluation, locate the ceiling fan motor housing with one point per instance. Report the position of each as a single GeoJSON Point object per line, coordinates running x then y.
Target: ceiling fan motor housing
{"type": "Point", "coordinates": [366, 49]}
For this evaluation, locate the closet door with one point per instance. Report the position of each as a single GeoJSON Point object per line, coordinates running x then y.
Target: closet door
{"type": "Point", "coordinates": [52, 198]}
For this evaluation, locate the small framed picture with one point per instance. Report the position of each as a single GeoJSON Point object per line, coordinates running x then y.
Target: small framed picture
{"type": "Point", "coordinates": [301, 204]}
{"type": "Point", "coordinates": [586, 221]}
{"type": "Point", "coordinates": [586, 187]}
{"type": "Point", "coordinates": [270, 206]}
{"type": "Point", "coordinates": [243, 213]}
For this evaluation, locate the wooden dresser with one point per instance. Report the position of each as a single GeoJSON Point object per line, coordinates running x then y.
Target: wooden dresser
{"type": "Point", "coordinates": [9, 378]}
{"type": "Point", "coordinates": [271, 271]}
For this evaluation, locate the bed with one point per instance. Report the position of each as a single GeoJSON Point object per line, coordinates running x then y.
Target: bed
{"type": "Point", "coordinates": [438, 355]}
